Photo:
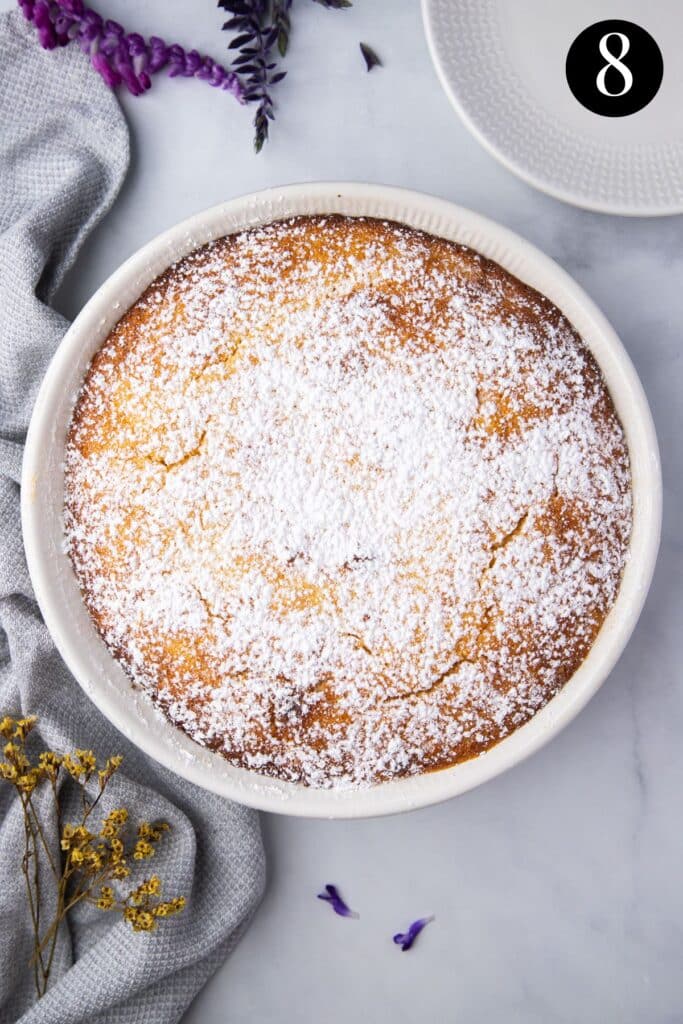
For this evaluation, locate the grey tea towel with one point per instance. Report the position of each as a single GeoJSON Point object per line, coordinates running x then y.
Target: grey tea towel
{"type": "Point", "coordinates": [63, 155]}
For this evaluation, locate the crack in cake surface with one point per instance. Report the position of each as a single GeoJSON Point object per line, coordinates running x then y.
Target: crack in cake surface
{"type": "Point", "coordinates": [349, 501]}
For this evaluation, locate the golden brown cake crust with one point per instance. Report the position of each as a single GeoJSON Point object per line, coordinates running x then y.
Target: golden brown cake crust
{"type": "Point", "coordinates": [349, 501]}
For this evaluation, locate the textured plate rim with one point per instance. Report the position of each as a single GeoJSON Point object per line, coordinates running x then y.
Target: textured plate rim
{"type": "Point", "coordinates": [51, 572]}
{"type": "Point", "coordinates": [429, 19]}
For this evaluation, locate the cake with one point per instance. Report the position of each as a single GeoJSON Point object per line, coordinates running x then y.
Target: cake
{"type": "Point", "coordinates": [348, 501]}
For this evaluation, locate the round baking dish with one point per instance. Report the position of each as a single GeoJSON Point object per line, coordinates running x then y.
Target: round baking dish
{"type": "Point", "coordinates": [105, 682]}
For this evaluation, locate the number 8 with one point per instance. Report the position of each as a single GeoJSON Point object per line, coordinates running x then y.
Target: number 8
{"type": "Point", "coordinates": [616, 63]}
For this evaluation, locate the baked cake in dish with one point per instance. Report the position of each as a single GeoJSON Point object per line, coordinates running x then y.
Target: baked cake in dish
{"type": "Point", "coordinates": [348, 500]}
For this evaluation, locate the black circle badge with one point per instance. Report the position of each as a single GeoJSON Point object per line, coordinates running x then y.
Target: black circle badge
{"type": "Point", "coordinates": [614, 68]}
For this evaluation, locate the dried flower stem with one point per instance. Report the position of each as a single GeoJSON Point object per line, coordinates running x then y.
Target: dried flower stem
{"type": "Point", "coordinates": [92, 859]}
{"type": "Point", "coordinates": [33, 903]}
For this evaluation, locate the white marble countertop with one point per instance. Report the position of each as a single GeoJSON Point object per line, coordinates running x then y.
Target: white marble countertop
{"type": "Point", "coordinates": [556, 886]}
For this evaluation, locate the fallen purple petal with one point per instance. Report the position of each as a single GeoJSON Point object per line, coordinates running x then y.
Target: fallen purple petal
{"type": "Point", "coordinates": [406, 939]}
{"type": "Point", "coordinates": [331, 896]}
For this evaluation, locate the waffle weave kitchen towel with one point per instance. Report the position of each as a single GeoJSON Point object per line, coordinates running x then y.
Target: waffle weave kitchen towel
{"type": "Point", "coordinates": [63, 156]}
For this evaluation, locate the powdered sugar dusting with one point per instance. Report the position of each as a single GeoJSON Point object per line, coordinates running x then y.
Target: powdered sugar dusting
{"type": "Point", "coordinates": [349, 501]}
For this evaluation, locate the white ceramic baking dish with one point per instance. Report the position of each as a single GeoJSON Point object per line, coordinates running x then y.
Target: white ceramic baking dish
{"type": "Point", "coordinates": [55, 584]}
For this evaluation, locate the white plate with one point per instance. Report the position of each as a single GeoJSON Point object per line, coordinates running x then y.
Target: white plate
{"type": "Point", "coordinates": [502, 64]}
{"type": "Point", "coordinates": [42, 496]}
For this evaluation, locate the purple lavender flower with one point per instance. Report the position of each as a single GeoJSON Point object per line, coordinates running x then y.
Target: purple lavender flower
{"type": "Point", "coordinates": [331, 895]}
{"type": "Point", "coordinates": [43, 22]}
{"type": "Point", "coordinates": [138, 53]}
{"type": "Point", "coordinates": [119, 56]}
{"type": "Point", "coordinates": [101, 64]}
{"type": "Point", "coordinates": [73, 7]}
{"type": "Point", "coordinates": [158, 54]}
{"type": "Point", "coordinates": [406, 939]}
{"type": "Point", "coordinates": [193, 63]}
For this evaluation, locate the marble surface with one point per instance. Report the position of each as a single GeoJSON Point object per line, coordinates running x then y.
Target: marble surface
{"type": "Point", "coordinates": [556, 887]}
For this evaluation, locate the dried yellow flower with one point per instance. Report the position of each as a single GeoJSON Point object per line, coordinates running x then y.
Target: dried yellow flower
{"type": "Point", "coordinates": [150, 887]}
{"type": "Point", "coordinates": [28, 781]}
{"type": "Point", "coordinates": [152, 832]}
{"type": "Point", "coordinates": [93, 859]}
{"type": "Point", "coordinates": [67, 835]}
{"type": "Point", "coordinates": [153, 885]}
{"type": "Point", "coordinates": [112, 765]}
{"type": "Point", "coordinates": [74, 769]}
{"type": "Point", "coordinates": [23, 726]}
{"type": "Point", "coordinates": [87, 761]}
{"type": "Point", "coordinates": [49, 763]}
{"type": "Point", "coordinates": [144, 922]}
{"type": "Point", "coordinates": [8, 772]}
{"type": "Point", "coordinates": [173, 906]}
{"type": "Point", "coordinates": [15, 755]}
{"type": "Point", "coordinates": [75, 836]}
{"type": "Point", "coordinates": [106, 898]}
{"type": "Point", "coordinates": [113, 823]}
{"type": "Point", "coordinates": [7, 727]}
{"type": "Point", "coordinates": [143, 850]}
{"type": "Point", "coordinates": [116, 849]}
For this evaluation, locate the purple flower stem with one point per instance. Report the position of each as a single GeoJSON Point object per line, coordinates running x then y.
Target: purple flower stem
{"type": "Point", "coordinates": [331, 896]}
{"type": "Point", "coordinates": [120, 56]}
{"type": "Point", "coordinates": [406, 939]}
